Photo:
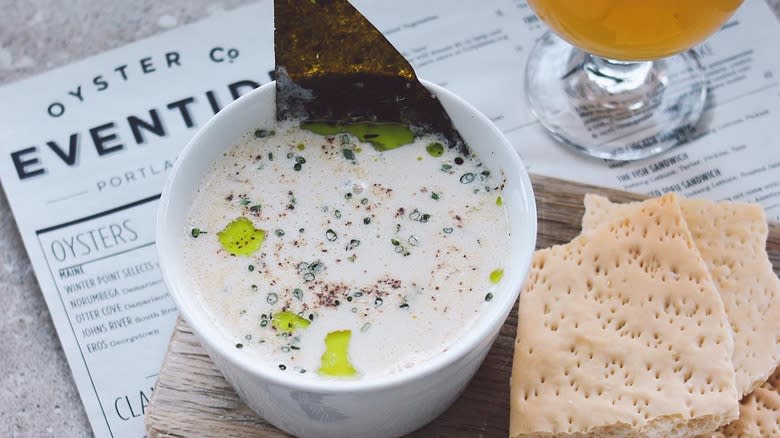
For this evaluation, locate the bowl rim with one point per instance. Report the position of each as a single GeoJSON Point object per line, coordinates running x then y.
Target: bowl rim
{"type": "Point", "coordinates": [214, 341]}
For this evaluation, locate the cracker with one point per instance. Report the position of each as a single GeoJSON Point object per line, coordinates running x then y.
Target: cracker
{"type": "Point", "coordinates": [621, 332]}
{"type": "Point", "coordinates": [759, 413]}
{"type": "Point", "coordinates": [731, 238]}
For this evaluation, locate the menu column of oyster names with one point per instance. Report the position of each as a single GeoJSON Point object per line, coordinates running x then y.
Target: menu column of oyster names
{"type": "Point", "coordinates": [109, 282]}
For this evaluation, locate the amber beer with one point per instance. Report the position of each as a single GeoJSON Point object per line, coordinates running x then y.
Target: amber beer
{"type": "Point", "coordinates": [634, 30]}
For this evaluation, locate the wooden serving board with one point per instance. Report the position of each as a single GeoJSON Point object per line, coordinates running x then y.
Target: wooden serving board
{"type": "Point", "coordinates": [192, 399]}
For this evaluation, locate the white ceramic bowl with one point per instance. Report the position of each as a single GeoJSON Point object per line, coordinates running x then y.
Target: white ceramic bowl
{"type": "Point", "coordinates": [385, 406]}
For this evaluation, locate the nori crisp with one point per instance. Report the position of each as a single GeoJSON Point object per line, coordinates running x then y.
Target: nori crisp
{"type": "Point", "coordinates": [333, 65]}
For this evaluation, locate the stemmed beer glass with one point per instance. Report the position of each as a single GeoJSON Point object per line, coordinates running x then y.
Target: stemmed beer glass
{"type": "Point", "coordinates": [617, 79]}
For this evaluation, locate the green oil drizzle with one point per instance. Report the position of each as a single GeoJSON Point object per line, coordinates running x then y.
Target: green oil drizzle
{"type": "Point", "coordinates": [496, 275]}
{"type": "Point", "coordinates": [240, 237]}
{"type": "Point", "coordinates": [289, 322]}
{"type": "Point", "coordinates": [335, 360]}
{"type": "Point", "coordinates": [383, 136]}
{"type": "Point", "coordinates": [435, 150]}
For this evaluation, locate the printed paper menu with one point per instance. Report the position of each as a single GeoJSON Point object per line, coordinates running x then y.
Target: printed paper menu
{"type": "Point", "coordinates": [85, 151]}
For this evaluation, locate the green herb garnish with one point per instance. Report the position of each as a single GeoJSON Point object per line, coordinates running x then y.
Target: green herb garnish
{"type": "Point", "coordinates": [467, 178]}
{"type": "Point", "coordinates": [348, 153]}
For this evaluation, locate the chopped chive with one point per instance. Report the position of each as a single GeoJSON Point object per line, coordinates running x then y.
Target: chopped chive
{"type": "Point", "coordinates": [251, 268]}
{"type": "Point", "coordinates": [395, 242]}
{"type": "Point", "coordinates": [308, 277]}
{"type": "Point", "coordinates": [271, 298]}
{"type": "Point", "coordinates": [500, 201]}
{"type": "Point", "coordinates": [446, 168]}
{"type": "Point", "coordinates": [399, 249]}
{"type": "Point", "coordinates": [349, 298]}
{"type": "Point", "coordinates": [378, 302]}
{"type": "Point", "coordinates": [298, 293]}
{"type": "Point", "coordinates": [239, 345]}
{"type": "Point", "coordinates": [245, 202]}
{"type": "Point", "coordinates": [366, 220]}
{"type": "Point", "coordinates": [344, 139]}
{"type": "Point", "coordinates": [279, 232]}
{"type": "Point", "coordinates": [294, 347]}
{"type": "Point", "coordinates": [404, 306]}
{"type": "Point", "coordinates": [348, 196]}
{"type": "Point", "coordinates": [364, 201]}
{"type": "Point", "coordinates": [425, 217]}
{"type": "Point", "coordinates": [349, 154]}
{"type": "Point", "coordinates": [365, 327]}
{"type": "Point", "coordinates": [196, 232]}
{"type": "Point", "coordinates": [262, 133]}
{"type": "Point", "coordinates": [297, 167]}
{"type": "Point", "coordinates": [489, 296]}
{"type": "Point", "coordinates": [282, 366]}
{"type": "Point", "coordinates": [467, 178]}
{"type": "Point", "coordinates": [435, 196]}
{"type": "Point", "coordinates": [337, 213]}
{"type": "Point", "coordinates": [285, 349]}
{"type": "Point", "coordinates": [300, 160]}
{"type": "Point", "coordinates": [412, 241]}
{"type": "Point", "coordinates": [290, 155]}
{"type": "Point", "coordinates": [415, 215]}
{"type": "Point", "coordinates": [354, 243]}
{"type": "Point", "coordinates": [263, 322]}
{"type": "Point", "coordinates": [270, 156]}
{"type": "Point", "coordinates": [331, 235]}
{"type": "Point", "coordinates": [458, 160]}
{"type": "Point", "coordinates": [447, 230]}
{"type": "Point", "coordinates": [255, 208]}
{"type": "Point", "coordinates": [254, 288]}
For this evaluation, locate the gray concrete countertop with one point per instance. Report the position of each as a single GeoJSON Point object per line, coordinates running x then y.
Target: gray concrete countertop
{"type": "Point", "coordinates": [38, 397]}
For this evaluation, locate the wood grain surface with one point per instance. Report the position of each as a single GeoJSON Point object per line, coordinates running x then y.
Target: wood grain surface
{"type": "Point", "coordinates": [193, 399]}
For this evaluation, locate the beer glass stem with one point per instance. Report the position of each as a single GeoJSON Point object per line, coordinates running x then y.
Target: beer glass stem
{"type": "Point", "coordinates": [612, 109]}
{"type": "Point", "coordinates": [616, 76]}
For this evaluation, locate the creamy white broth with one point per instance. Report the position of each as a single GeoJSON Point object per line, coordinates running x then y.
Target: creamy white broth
{"type": "Point", "coordinates": [365, 242]}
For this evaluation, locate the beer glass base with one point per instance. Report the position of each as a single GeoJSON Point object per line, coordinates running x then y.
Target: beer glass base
{"type": "Point", "coordinates": [612, 109]}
